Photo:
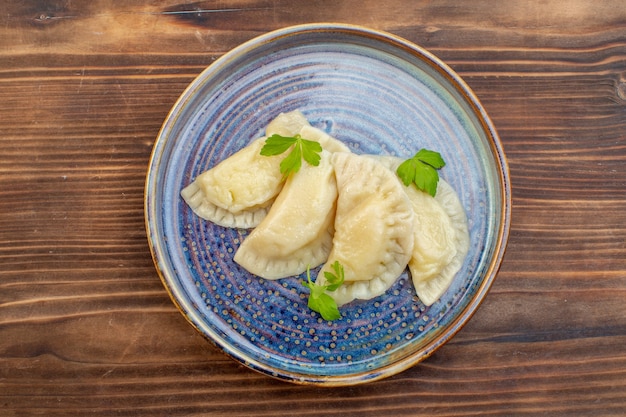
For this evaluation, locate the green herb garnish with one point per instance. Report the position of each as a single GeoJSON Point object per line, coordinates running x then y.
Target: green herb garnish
{"type": "Point", "coordinates": [422, 170]}
{"type": "Point", "coordinates": [308, 150]}
{"type": "Point", "coordinates": [318, 299]}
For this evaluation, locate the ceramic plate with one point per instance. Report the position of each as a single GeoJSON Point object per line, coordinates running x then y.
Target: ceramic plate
{"type": "Point", "coordinates": [380, 95]}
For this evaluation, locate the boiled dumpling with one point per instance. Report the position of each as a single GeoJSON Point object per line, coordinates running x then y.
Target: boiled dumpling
{"type": "Point", "coordinates": [440, 234]}
{"type": "Point", "coordinates": [238, 191]}
{"type": "Point", "coordinates": [297, 231]}
{"type": "Point", "coordinates": [194, 196]}
{"type": "Point", "coordinates": [373, 238]}
{"type": "Point", "coordinates": [429, 284]}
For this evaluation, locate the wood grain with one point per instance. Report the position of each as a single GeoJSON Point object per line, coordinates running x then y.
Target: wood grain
{"type": "Point", "coordinates": [86, 328]}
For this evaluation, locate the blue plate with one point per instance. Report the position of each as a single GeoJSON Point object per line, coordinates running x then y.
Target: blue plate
{"type": "Point", "coordinates": [378, 93]}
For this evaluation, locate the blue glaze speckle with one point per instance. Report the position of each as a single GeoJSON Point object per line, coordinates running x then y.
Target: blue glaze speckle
{"type": "Point", "coordinates": [380, 95]}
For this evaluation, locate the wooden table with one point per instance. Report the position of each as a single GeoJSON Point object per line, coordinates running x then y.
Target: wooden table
{"type": "Point", "coordinates": [86, 327]}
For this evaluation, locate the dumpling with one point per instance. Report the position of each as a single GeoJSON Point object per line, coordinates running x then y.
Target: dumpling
{"type": "Point", "coordinates": [373, 228]}
{"type": "Point", "coordinates": [238, 191]}
{"type": "Point", "coordinates": [440, 234]}
{"type": "Point", "coordinates": [298, 230]}
{"type": "Point", "coordinates": [430, 282]}
{"type": "Point", "coordinates": [194, 197]}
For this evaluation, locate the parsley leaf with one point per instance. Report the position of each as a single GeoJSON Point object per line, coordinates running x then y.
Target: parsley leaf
{"type": "Point", "coordinates": [318, 299]}
{"type": "Point", "coordinates": [308, 150]}
{"type": "Point", "coordinates": [421, 170]}
{"type": "Point", "coordinates": [336, 279]}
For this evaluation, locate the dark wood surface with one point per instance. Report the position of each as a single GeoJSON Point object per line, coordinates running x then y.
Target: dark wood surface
{"type": "Point", "coordinates": [86, 328]}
